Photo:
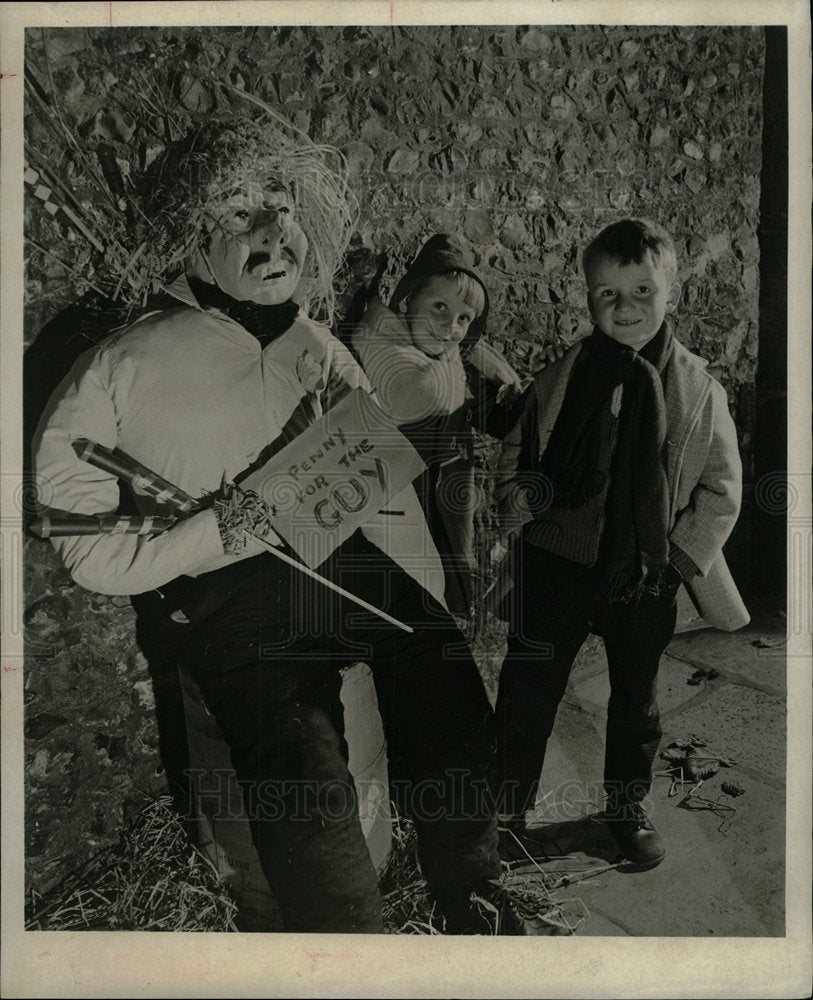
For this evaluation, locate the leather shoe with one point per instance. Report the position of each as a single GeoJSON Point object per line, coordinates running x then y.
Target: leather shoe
{"type": "Point", "coordinates": [635, 835]}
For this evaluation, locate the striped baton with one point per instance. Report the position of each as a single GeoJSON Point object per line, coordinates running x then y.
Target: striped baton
{"type": "Point", "coordinates": [141, 479]}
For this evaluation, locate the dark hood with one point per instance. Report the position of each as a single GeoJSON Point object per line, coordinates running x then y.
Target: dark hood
{"type": "Point", "coordinates": [440, 254]}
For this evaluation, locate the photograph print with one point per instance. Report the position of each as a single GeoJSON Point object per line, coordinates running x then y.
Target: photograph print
{"type": "Point", "coordinates": [405, 500]}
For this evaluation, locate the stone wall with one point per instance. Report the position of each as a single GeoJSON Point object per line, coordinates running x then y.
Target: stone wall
{"type": "Point", "coordinates": [526, 139]}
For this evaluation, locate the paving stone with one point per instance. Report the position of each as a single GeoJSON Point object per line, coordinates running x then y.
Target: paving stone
{"type": "Point", "coordinates": [756, 653]}
{"type": "Point", "coordinates": [673, 689]}
{"type": "Point", "coordinates": [598, 926]}
{"type": "Point", "coordinates": [715, 880]}
{"type": "Point", "coordinates": [703, 646]}
{"type": "Point", "coordinates": [765, 665]}
{"type": "Point", "coordinates": [711, 883]}
{"type": "Point", "coordinates": [739, 722]}
{"type": "Point", "coordinates": [591, 658]}
{"type": "Point", "coordinates": [720, 882]}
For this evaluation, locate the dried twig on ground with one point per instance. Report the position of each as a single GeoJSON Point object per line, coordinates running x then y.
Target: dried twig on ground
{"type": "Point", "coordinates": [691, 759]}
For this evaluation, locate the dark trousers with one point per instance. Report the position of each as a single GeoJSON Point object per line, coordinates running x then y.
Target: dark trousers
{"type": "Point", "coordinates": [554, 609]}
{"type": "Point", "coordinates": [267, 661]}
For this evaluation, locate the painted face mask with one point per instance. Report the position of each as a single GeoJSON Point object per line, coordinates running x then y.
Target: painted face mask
{"type": "Point", "coordinates": [256, 250]}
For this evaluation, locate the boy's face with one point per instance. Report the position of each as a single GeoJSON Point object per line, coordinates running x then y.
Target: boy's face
{"type": "Point", "coordinates": [628, 302]}
{"type": "Point", "coordinates": [256, 250]}
{"type": "Point", "coordinates": [438, 317]}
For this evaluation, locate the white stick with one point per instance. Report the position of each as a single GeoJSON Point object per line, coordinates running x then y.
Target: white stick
{"type": "Point", "coordinates": [328, 583]}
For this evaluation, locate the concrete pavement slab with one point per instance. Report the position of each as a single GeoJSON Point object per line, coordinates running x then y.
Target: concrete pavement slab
{"type": "Point", "coordinates": [705, 646]}
{"type": "Point", "coordinates": [597, 925]}
{"type": "Point", "coordinates": [711, 882]}
{"type": "Point", "coordinates": [673, 686]}
{"type": "Point", "coordinates": [591, 658]}
{"type": "Point", "coordinates": [738, 722]}
{"type": "Point", "coordinates": [724, 873]}
{"type": "Point", "coordinates": [763, 662]}
{"type": "Point", "coordinates": [755, 655]}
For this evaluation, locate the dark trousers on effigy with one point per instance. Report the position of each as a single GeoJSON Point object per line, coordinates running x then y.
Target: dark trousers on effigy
{"type": "Point", "coordinates": [268, 661]}
{"type": "Point", "coordinates": [553, 609]}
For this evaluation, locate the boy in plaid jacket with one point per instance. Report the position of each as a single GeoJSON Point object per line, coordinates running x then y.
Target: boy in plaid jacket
{"type": "Point", "coordinates": [623, 481]}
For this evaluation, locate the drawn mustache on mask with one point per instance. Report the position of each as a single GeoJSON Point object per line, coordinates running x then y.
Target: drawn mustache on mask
{"type": "Point", "coordinates": [259, 258]}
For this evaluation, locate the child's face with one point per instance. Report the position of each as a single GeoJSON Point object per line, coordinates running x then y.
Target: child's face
{"type": "Point", "coordinates": [438, 317]}
{"type": "Point", "coordinates": [628, 302]}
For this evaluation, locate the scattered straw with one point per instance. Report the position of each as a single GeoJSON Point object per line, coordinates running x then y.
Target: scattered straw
{"type": "Point", "coordinates": [405, 900]}
{"type": "Point", "coordinates": [154, 880]}
{"type": "Point", "coordinates": [531, 888]}
{"type": "Point", "coordinates": [408, 908]}
{"type": "Point", "coordinates": [532, 893]}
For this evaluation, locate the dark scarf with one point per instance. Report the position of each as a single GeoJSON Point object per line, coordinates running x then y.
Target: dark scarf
{"type": "Point", "coordinates": [636, 507]}
{"type": "Point", "coordinates": [266, 323]}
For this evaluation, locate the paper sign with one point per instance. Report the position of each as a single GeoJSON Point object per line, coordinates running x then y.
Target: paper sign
{"type": "Point", "coordinates": [335, 476]}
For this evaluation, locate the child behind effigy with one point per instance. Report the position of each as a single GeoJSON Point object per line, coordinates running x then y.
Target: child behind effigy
{"type": "Point", "coordinates": [434, 372]}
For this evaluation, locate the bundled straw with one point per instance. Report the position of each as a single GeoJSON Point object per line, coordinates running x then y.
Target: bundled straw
{"type": "Point", "coordinates": [240, 514]}
{"type": "Point", "coordinates": [139, 223]}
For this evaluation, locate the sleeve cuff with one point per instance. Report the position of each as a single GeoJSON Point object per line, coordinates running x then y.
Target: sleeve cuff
{"type": "Point", "coordinates": [682, 563]}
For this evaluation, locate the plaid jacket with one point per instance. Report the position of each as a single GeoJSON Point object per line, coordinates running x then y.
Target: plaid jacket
{"type": "Point", "coordinates": [702, 465]}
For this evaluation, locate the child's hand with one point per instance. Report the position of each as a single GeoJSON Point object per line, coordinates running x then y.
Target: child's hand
{"type": "Point", "coordinates": [410, 385]}
{"type": "Point", "coordinates": [658, 587]}
{"type": "Point", "coordinates": [493, 366]}
{"type": "Point", "coordinates": [547, 355]}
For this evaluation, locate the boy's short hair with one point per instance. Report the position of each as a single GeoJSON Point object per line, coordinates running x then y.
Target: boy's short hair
{"type": "Point", "coordinates": [468, 288]}
{"type": "Point", "coordinates": [628, 242]}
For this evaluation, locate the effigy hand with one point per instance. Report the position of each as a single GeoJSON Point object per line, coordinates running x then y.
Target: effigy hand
{"type": "Point", "coordinates": [240, 515]}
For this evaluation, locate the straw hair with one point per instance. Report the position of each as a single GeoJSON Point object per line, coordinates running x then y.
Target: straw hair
{"type": "Point", "coordinates": [138, 244]}
{"type": "Point", "coordinates": [182, 189]}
